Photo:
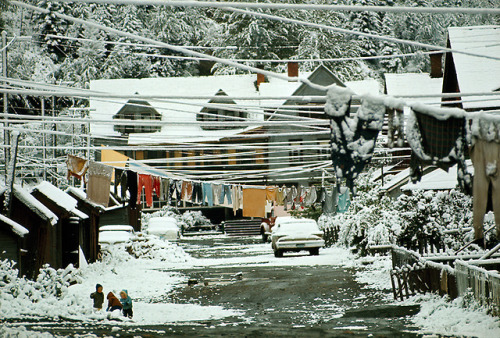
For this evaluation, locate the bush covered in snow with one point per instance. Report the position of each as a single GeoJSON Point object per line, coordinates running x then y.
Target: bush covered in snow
{"type": "Point", "coordinates": [187, 220]}
{"type": "Point", "coordinates": [424, 217]}
{"type": "Point", "coordinates": [49, 291]}
{"type": "Point", "coordinates": [151, 247]}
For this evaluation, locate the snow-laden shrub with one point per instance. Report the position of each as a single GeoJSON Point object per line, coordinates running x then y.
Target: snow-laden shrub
{"type": "Point", "coordinates": [44, 296]}
{"type": "Point", "coordinates": [194, 219]}
{"type": "Point", "coordinates": [411, 220]}
{"type": "Point", "coordinates": [154, 248]}
{"type": "Point", "coordinates": [185, 221]}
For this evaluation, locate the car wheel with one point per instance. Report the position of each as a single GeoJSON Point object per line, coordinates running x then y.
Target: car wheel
{"type": "Point", "coordinates": [278, 253]}
{"type": "Point", "coordinates": [314, 252]}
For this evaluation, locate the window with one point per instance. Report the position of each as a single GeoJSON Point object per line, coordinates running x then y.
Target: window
{"type": "Point", "coordinates": [137, 110]}
{"type": "Point", "coordinates": [219, 114]}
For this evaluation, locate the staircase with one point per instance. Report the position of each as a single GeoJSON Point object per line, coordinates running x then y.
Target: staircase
{"type": "Point", "coordinates": [242, 227]}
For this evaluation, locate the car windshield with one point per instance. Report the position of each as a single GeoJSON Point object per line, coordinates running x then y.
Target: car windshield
{"type": "Point", "coordinates": [298, 226]}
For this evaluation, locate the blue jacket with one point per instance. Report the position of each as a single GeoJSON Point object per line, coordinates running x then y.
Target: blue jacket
{"type": "Point", "coordinates": [126, 302]}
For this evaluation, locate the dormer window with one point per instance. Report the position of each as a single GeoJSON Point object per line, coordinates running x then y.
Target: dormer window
{"type": "Point", "coordinates": [219, 114]}
{"type": "Point", "coordinates": [137, 110]}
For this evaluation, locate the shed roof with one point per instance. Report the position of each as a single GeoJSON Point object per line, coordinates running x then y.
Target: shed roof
{"type": "Point", "coordinates": [35, 205]}
{"type": "Point", "coordinates": [16, 227]}
{"type": "Point", "coordinates": [60, 198]}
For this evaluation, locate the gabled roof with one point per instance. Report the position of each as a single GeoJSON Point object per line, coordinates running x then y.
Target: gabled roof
{"type": "Point", "coordinates": [137, 106]}
{"type": "Point", "coordinates": [477, 74]}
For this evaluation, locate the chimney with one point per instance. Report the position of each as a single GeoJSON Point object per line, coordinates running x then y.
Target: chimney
{"type": "Point", "coordinates": [293, 69]}
{"type": "Point", "coordinates": [260, 77]}
{"type": "Point", "coordinates": [436, 65]}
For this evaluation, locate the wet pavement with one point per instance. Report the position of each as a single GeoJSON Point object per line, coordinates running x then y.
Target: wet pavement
{"type": "Point", "coordinates": [283, 301]}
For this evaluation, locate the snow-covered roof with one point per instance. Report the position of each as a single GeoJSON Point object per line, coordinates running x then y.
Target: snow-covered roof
{"type": "Point", "coordinates": [60, 198]}
{"type": "Point", "coordinates": [182, 110]}
{"type": "Point", "coordinates": [16, 227]}
{"type": "Point", "coordinates": [406, 84]}
{"type": "Point", "coordinates": [368, 86]}
{"type": "Point", "coordinates": [400, 178]}
{"type": "Point", "coordinates": [438, 179]}
{"type": "Point", "coordinates": [35, 205]}
{"type": "Point", "coordinates": [477, 74]}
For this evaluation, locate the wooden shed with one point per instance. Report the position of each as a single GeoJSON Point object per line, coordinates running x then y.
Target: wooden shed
{"type": "Point", "coordinates": [71, 221]}
{"type": "Point", "coordinates": [12, 241]}
{"type": "Point", "coordinates": [42, 240]}
{"type": "Point", "coordinates": [89, 240]}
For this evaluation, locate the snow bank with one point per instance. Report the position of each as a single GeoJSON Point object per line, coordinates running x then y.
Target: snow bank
{"type": "Point", "coordinates": [440, 316]}
{"type": "Point", "coordinates": [140, 268]}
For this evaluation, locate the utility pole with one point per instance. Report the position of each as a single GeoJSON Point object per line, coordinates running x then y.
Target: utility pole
{"type": "Point", "coordinates": [44, 142]}
{"type": "Point", "coordinates": [54, 128]}
{"type": "Point", "coordinates": [12, 173]}
{"type": "Point", "coordinates": [6, 136]}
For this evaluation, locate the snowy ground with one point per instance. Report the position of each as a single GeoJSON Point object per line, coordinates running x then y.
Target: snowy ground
{"type": "Point", "coordinates": [149, 280]}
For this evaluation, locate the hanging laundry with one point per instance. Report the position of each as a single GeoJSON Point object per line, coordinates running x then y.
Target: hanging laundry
{"type": "Point", "coordinates": [145, 181]}
{"type": "Point", "coordinates": [197, 196]}
{"type": "Point", "coordinates": [352, 137]}
{"type": "Point", "coordinates": [208, 194]}
{"type": "Point", "coordinates": [174, 191]}
{"type": "Point", "coordinates": [187, 191]}
{"type": "Point", "coordinates": [329, 201]}
{"type": "Point", "coordinates": [77, 167]}
{"type": "Point", "coordinates": [216, 191]}
{"type": "Point", "coordinates": [280, 195]}
{"type": "Point", "coordinates": [302, 191]}
{"type": "Point", "coordinates": [289, 197]}
{"type": "Point", "coordinates": [311, 196]}
{"type": "Point", "coordinates": [485, 156]}
{"type": "Point", "coordinates": [344, 200]}
{"type": "Point", "coordinates": [237, 198]}
{"type": "Point", "coordinates": [225, 193]}
{"type": "Point", "coordinates": [99, 183]}
{"type": "Point", "coordinates": [157, 185]}
{"type": "Point", "coordinates": [164, 188]}
{"type": "Point", "coordinates": [132, 188]}
{"type": "Point", "coordinates": [439, 142]}
{"type": "Point", "coordinates": [118, 175]}
{"type": "Point", "coordinates": [271, 193]}
{"type": "Point", "coordinates": [254, 202]}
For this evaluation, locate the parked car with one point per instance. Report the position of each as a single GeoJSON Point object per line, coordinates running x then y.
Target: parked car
{"type": "Point", "coordinates": [164, 227]}
{"type": "Point", "coordinates": [295, 234]}
{"type": "Point", "coordinates": [112, 234]}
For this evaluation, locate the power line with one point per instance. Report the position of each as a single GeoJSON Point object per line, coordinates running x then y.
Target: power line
{"type": "Point", "coordinates": [309, 7]}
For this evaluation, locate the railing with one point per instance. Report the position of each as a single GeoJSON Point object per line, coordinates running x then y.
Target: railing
{"type": "Point", "coordinates": [483, 284]}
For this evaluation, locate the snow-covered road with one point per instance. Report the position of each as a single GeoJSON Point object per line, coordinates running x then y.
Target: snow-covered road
{"type": "Point", "coordinates": [241, 288]}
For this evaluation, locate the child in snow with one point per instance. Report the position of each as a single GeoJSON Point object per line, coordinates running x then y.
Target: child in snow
{"type": "Point", "coordinates": [113, 302]}
{"type": "Point", "coordinates": [127, 303]}
{"type": "Point", "coordinates": [98, 297]}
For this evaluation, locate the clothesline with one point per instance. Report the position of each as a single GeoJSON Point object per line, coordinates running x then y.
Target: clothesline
{"type": "Point", "coordinates": [251, 199]}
